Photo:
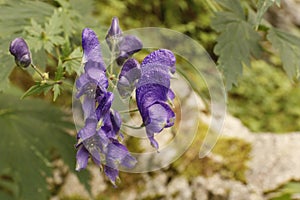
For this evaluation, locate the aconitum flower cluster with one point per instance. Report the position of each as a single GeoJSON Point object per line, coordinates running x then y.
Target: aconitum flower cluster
{"type": "Point", "coordinates": [99, 138]}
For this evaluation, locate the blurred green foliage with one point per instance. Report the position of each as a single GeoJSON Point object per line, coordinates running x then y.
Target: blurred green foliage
{"type": "Point", "coordinates": [266, 100]}
{"type": "Point", "coordinates": [288, 191]}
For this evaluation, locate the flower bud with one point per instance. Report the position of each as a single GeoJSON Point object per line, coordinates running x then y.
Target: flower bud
{"type": "Point", "coordinates": [19, 49]}
{"type": "Point", "coordinates": [114, 30]}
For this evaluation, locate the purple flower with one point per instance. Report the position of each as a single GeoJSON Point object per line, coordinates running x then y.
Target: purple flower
{"type": "Point", "coordinates": [153, 92]}
{"type": "Point", "coordinates": [123, 46]}
{"type": "Point", "coordinates": [94, 77]}
{"type": "Point", "coordinates": [98, 138]}
{"type": "Point", "coordinates": [114, 34]}
{"type": "Point", "coordinates": [128, 46]}
{"type": "Point", "coordinates": [128, 77]}
{"type": "Point", "coordinates": [19, 49]}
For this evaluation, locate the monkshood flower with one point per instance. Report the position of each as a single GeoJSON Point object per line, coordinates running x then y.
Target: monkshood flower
{"type": "Point", "coordinates": [98, 138]}
{"type": "Point", "coordinates": [128, 77]}
{"type": "Point", "coordinates": [153, 92]}
{"type": "Point", "coordinates": [19, 49]}
{"type": "Point", "coordinates": [123, 46]}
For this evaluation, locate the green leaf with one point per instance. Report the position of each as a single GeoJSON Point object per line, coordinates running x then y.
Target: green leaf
{"type": "Point", "coordinates": [235, 45]}
{"type": "Point", "coordinates": [32, 131]}
{"type": "Point", "coordinates": [15, 14]}
{"type": "Point", "coordinates": [73, 62]}
{"type": "Point", "coordinates": [56, 91]}
{"type": "Point", "coordinates": [288, 47]}
{"type": "Point", "coordinates": [69, 17]}
{"type": "Point", "coordinates": [45, 38]}
{"type": "Point", "coordinates": [53, 26]}
{"type": "Point", "coordinates": [233, 6]}
{"type": "Point", "coordinates": [6, 67]}
{"type": "Point", "coordinates": [262, 7]}
{"type": "Point", "coordinates": [38, 88]}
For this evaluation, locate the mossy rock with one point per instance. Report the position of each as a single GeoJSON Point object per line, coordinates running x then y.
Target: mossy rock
{"type": "Point", "coordinates": [234, 153]}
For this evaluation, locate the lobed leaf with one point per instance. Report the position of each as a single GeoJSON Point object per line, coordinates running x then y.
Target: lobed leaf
{"type": "Point", "coordinates": [262, 7]}
{"type": "Point", "coordinates": [235, 45]}
{"type": "Point", "coordinates": [288, 47]}
{"type": "Point", "coordinates": [38, 88]}
{"type": "Point", "coordinates": [31, 131]}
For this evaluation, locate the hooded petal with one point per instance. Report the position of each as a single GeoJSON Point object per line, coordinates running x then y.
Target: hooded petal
{"type": "Point", "coordinates": [19, 49]}
{"type": "Point", "coordinates": [162, 56]}
{"type": "Point", "coordinates": [91, 48]}
{"type": "Point", "coordinates": [154, 74]}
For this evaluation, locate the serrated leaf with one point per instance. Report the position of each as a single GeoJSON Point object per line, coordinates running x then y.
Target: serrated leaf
{"type": "Point", "coordinates": [235, 45]}
{"type": "Point", "coordinates": [53, 26]}
{"type": "Point", "coordinates": [30, 131]}
{"type": "Point", "coordinates": [56, 91]}
{"type": "Point", "coordinates": [37, 89]}
{"type": "Point", "coordinates": [234, 6]}
{"type": "Point", "coordinates": [288, 46]}
{"type": "Point", "coordinates": [262, 7]}
{"type": "Point", "coordinates": [73, 62]}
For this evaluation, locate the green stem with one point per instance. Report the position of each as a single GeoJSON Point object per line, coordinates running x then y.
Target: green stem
{"type": "Point", "coordinates": [133, 127]}
{"type": "Point", "coordinates": [42, 75]}
{"type": "Point", "coordinates": [129, 111]}
{"type": "Point", "coordinates": [112, 58]}
{"type": "Point", "coordinates": [74, 58]}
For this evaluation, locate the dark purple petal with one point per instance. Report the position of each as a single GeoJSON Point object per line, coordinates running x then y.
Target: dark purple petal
{"type": "Point", "coordinates": [96, 146]}
{"type": "Point", "coordinates": [171, 95]}
{"type": "Point", "coordinates": [104, 104]}
{"type": "Point", "coordinates": [82, 157]}
{"type": "Point", "coordinates": [112, 124]}
{"type": "Point", "coordinates": [116, 121]}
{"type": "Point", "coordinates": [89, 129]}
{"type": "Point", "coordinates": [127, 47]}
{"type": "Point", "coordinates": [162, 56]}
{"type": "Point", "coordinates": [130, 73]}
{"type": "Point", "coordinates": [93, 64]}
{"type": "Point", "coordinates": [118, 154]}
{"type": "Point", "coordinates": [153, 142]}
{"type": "Point", "coordinates": [160, 116]}
{"type": "Point", "coordinates": [88, 106]}
{"type": "Point", "coordinates": [91, 48]}
{"type": "Point", "coordinates": [19, 49]}
{"type": "Point", "coordinates": [148, 94]}
{"type": "Point", "coordinates": [112, 174]}
{"type": "Point", "coordinates": [96, 75]}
